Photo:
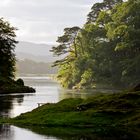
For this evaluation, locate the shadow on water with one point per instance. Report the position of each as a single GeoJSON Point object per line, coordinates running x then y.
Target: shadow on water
{"type": "Point", "coordinates": [66, 133]}
{"type": "Point", "coordinates": [5, 132]}
{"type": "Point", "coordinates": [7, 103]}
{"type": "Point", "coordinates": [8, 132]}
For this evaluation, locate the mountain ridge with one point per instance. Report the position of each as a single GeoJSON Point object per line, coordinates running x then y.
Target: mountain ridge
{"type": "Point", "coordinates": [34, 51]}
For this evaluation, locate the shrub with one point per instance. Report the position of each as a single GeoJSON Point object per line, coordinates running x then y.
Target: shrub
{"type": "Point", "coordinates": [20, 82]}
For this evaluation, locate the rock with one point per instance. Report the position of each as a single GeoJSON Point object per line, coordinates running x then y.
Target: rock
{"type": "Point", "coordinates": [74, 87]}
{"type": "Point", "coordinates": [84, 107]}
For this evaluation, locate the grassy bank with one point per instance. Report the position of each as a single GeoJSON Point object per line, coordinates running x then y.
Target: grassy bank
{"type": "Point", "coordinates": [110, 114]}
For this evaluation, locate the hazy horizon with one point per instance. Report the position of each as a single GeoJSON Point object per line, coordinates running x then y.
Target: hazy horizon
{"type": "Point", "coordinates": [42, 22]}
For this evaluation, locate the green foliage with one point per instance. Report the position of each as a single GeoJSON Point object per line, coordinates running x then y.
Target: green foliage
{"type": "Point", "coordinates": [7, 61]}
{"type": "Point", "coordinates": [107, 47]}
{"type": "Point", "coordinates": [86, 78]}
{"type": "Point", "coordinates": [66, 42]}
{"type": "Point", "coordinates": [7, 45]}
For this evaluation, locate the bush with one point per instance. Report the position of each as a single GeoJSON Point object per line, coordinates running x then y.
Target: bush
{"type": "Point", "coordinates": [20, 82]}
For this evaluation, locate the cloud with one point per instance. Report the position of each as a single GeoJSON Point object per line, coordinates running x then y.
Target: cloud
{"type": "Point", "coordinates": [43, 21]}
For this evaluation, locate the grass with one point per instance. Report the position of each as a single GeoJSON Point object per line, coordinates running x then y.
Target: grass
{"type": "Point", "coordinates": [110, 114]}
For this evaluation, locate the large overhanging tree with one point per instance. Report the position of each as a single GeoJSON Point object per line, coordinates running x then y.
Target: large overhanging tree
{"type": "Point", "coordinates": [67, 45]}
{"type": "Point", "coordinates": [106, 50]}
{"type": "Point", "coordinates": [7, 46]}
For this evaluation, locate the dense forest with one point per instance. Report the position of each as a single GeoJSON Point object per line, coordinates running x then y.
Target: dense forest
{"type": "Point", "coordinates": [105, 51]}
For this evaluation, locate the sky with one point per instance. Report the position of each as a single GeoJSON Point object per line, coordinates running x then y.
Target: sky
{"type": "Point", "coordinates": [42, 21]}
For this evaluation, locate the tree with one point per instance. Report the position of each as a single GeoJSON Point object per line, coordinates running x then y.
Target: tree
{"type": "Point", "coordinates": [106, 50]}
{"type": "Point", "coordinates": [106, 5]}
{"type": "Point", "coordinates": [66, 41]}
{"type": "Point", "coordinates": [7, 46]}
{"type": "Point", "coordinates": [125, 31]}
{"type": "Point", "coordinates": [67, 44]}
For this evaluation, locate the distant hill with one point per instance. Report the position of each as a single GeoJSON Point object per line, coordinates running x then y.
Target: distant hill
{"type": "Point", "coordinates": [33, 48]}
{"type": "Point", "coordinates": [34, 58]}
{"type": "Point", "coordinates": [29, 67]}
{"type": "Point", "coordinates": [35, 52]}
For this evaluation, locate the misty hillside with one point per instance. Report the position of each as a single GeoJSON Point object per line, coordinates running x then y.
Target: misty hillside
{"type": "Point", "coordinates": [29, 67]}
{"type": "Point", "coordinates": [34, 58]}
{"type": "Point", "coordinates": [37, 58]}
{"type": "Point", "coordinates": [33, 48]}
{"type": "Point", "coordinates": [35, 52]}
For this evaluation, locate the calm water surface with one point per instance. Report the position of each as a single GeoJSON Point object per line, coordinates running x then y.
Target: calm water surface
{"type": "Point", "coordinates": [47, 91]}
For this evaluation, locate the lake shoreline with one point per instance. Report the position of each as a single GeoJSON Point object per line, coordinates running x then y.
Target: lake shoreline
{"type": "Point", "coordinates": [18, 89]}
{"type": "Point", "coordinates": [8, 86]}
{"type": "Point", "coordinates": [111, 114]}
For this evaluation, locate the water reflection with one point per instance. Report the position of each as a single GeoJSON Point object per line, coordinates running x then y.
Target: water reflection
{"type": "Point", "coordinates": [65, 133]}
{"type": "Point", "coordinates": [47, 90]}
{"type": "Point", "coordinates": [8, 132]}
{"type": "Point", "coordinates": [84, 94]}
{"type": "Point", "coordinates": [14, 104]}
{"type": "Point", "coordinates": [5, 132]}
{"type": "Point", "coordinates": [7, 102]}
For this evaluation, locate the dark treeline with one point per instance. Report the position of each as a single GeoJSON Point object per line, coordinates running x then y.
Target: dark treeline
{"type": "Point", "coordinates": [105, 51]}
{"type": "Point", "coordinates": [7, 46]}
{"type": "Point", "coordinates": [8, 84]}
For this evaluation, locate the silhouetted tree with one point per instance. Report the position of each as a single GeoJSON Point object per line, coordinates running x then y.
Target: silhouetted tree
{"type": "Point", "coordinates": [7, 46]}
